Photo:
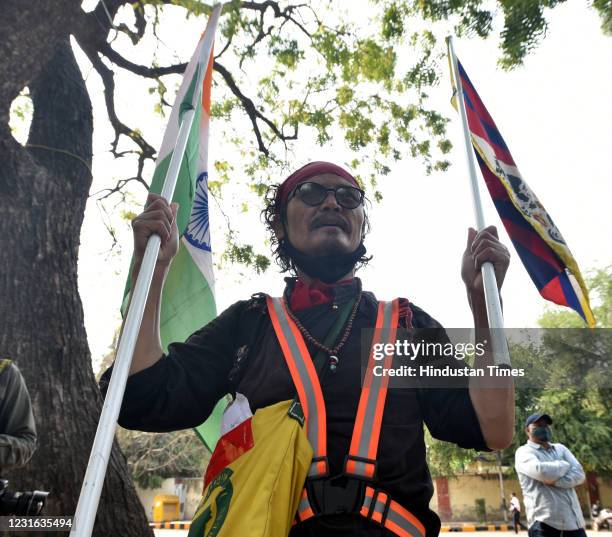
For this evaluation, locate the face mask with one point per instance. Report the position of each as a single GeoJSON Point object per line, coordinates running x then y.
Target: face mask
{"type": "Point", "coordinates": [543, 434]}
{"type": "Point", "coordinates": [327, 268]}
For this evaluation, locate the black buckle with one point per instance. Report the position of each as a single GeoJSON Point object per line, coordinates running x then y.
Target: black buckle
{"type": "Point", "coordinates": [373, 505]}
{"type": "Point", "coordinates": [313, 463]}
{"type": "Point", "coordinates": [355, 458]}
{"type": "Point", "coordinates": [336, 495]}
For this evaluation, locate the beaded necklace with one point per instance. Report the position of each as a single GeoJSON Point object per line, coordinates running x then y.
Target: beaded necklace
{"type": "Point", "coordinates": [332, 352]}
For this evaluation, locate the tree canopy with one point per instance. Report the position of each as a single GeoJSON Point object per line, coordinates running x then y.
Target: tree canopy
{"type": "Point", "coordinates": [524, 23]}
{"type": "Point", "coordinates": [579, 391]}
{"type": "Point", "coordinates": [310, 70]}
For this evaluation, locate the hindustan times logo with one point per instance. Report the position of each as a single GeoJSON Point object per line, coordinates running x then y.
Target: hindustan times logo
{"type": "Point", "coordinates": [427, 349]}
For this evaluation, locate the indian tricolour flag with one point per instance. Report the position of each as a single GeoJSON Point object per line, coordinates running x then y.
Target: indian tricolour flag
{"type": "Point", "coordinates": [188, 300]}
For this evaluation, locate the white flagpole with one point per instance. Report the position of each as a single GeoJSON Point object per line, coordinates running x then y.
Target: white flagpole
{"type": "Point", "coordinates": [501, 356]}
{"type": "Point", "coordinates": [89, 498]}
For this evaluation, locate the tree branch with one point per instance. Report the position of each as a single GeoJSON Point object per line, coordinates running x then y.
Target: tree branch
{"type": "Point", "coordinates": [249, 106]}
{"type": "Point", "coordinates": [260, 36]}
{"type": "Point", "coordinates": [252, 111]}
{"type": "Point", "coordinates": [105, 12]}
{"type": "Point", "coordinates": [119, 186]}
{"type": "Point", "coordinates": [95, 26]}
{"type": "Point", "coordinates": [107, 76]}
{"type": "Point", "coordinates": [105, 217]}
{"type": "Point", "coordinates": [285, 13]}
{"type": "Point", "coordinates": [140, 24]}
{"type": "Point", "coordinates": [93, 40]}
{"type": "Point", "coordinates": [227, 45]}
{"type": "Point", "coordinates": [142, 70]}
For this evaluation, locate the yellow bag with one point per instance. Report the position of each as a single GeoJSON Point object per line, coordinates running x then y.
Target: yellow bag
{"type": "Point", "coordinates": [260, 467]}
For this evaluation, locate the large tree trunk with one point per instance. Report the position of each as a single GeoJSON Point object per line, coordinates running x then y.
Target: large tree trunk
{"type": "Point", "coordinates": [43, 191]}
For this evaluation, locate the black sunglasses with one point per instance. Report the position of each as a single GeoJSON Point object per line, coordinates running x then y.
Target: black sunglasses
{"type": "Point", "coordinates": [314, 194]}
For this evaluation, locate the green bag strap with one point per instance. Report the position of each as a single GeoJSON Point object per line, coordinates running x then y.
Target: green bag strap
{"type": "Point", "coordinates": [344, 312]}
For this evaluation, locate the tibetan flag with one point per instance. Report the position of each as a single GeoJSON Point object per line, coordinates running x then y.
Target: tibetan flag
{"type": "Point", "coordinates": [188, 300]}
{"type": "Point", "coordinates": [537, 240]}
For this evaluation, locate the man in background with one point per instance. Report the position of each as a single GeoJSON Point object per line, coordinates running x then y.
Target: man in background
{"type": "Point", "coordinates": [17, 429]}
{"type": "Point", "coordinates": [515, 509]}
{"type": "Point", "coordinates": [548, 473]}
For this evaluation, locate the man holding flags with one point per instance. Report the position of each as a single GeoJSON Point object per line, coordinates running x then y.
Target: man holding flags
{"type": "Point", "coordinates": [318, 225]}
{"type": "Point", "coordinates": [363, 470]}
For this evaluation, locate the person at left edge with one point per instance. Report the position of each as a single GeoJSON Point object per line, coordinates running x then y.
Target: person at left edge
{"type": "Point", "coordinates": [318, 223]}
{"type": "Point", "coordinates": [17, 428]}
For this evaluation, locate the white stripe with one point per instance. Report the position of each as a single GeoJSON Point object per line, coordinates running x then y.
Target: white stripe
{"type": "Point", "coordinates": [576, 287]}
{"type": "Point", "coordinates": [203, 152]}
{"type": "Point", "coordinates": [173, 122]}
{"type": "Point", "coordinates": [205, 44]}
{"type": "Point", "coordinates": [202, 260]}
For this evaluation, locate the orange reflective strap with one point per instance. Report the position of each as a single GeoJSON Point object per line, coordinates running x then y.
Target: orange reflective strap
{"type": "Point", "coordinates": [377, 506]}
{"type": "Point", "coordinates": [304, 511]}
{"type": "Point", "coordinates": [351, 465]}
{"type": "Point", "coordinates": [361, 461]}
{"type": "Point", "coordinates": [306, 381]}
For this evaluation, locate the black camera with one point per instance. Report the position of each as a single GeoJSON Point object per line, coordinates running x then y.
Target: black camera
{"type": "Point", "coordinates": [21, 503]}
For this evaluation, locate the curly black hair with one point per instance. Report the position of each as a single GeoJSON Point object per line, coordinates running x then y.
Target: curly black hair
{"type": "Point", "coordinates": [274, 211]}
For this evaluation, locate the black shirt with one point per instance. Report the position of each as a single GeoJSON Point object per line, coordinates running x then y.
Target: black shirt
{"type": "Point", "coordinates": [182, 388]}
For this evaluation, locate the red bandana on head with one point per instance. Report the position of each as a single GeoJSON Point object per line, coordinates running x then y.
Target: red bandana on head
{"type": "Point", "coordinates": [311, 169]}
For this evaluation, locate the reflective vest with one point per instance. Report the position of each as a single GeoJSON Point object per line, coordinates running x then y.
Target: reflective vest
{"type": "Point", "coordinates": [354, 491]}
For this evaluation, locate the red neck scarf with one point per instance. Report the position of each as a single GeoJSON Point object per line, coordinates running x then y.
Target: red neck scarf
{"type": "Point", "coordinates": [305, 296]}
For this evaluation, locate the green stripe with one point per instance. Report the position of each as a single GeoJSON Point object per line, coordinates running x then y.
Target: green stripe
{"type": "Point", "coordinates": [187, 300]}
{"type": "Point", "coordinates": [185, 185]}
{"type": "Point", "coordinates": [187, 305]}
{"type": "Point", "coordinates": [209, 431]}
{"type": "Point", "coordinates": [187, 102]}
{"type": "Point", "coordinates": [184, 191]}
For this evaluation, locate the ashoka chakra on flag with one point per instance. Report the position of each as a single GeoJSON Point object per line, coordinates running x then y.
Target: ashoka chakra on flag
{"type": "Point", "coordinates": [198, 228]}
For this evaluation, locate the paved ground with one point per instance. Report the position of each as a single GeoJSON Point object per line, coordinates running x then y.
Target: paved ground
{"type": "Point", "coordinates": [183, 533]}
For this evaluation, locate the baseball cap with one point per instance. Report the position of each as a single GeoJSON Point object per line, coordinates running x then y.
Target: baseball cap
{"type": "Point", "coordinates": [537, 416]}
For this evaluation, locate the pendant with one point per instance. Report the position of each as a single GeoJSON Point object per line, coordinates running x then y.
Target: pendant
{"type": "Point", "coordinates": [333, 363]}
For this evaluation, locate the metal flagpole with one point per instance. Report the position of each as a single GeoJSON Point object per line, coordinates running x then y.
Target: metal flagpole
{"type": "Point", "coordinates": [89, 498]}
{"type": "Point", "coordinates": [501, 356]}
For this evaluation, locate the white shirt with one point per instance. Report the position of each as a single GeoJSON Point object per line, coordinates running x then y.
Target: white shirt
{"type": "Point", "coordinates": [556, 505]}
{"type": "Point", "coordinates": [516, 505]}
